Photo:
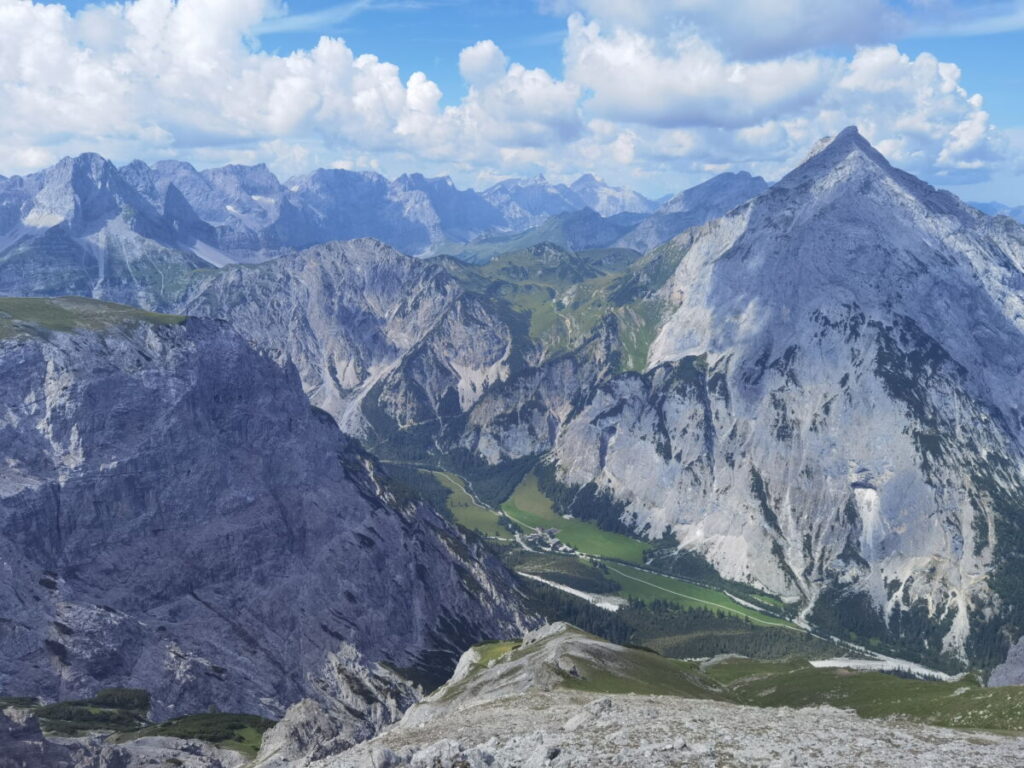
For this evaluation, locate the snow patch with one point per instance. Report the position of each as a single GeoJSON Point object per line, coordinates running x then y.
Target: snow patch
{"type": "Point", "coordinates": [208, 253]}
{"type": "Point", "coordinates": [42, 219]}
{"type": "Point", "coordinates": [884, 664]}
{"type": "Point", "coordinates": [601, 601]}
{"type": "Point", "coordinates": [870, 509]}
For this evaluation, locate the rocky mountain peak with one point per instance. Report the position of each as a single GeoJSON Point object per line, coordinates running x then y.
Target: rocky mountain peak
{"type": "Point", "coordinates": [85, 191]}
{"type": "Point", "coordinates": [172, 166]}
{"type": "Point", "coordinates": [843, 163]}
{"type": "Point", "coordinates": [851, 301]}
{"type": "Point", "coordinates": [250, 179]}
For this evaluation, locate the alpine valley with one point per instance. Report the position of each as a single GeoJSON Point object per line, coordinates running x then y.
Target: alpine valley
{"type": "Point", "coordinates": [281, 458]}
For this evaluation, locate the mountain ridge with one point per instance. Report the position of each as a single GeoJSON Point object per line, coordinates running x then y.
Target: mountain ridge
{"type": "Point", "coordinates": [245, 213]}
{"type": "Point", "coordinates": [815, 392]}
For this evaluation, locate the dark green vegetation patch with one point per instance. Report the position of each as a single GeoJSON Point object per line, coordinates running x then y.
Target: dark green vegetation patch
{"type": "Point", "coordinates": [242, 733]}
{"type": "Point", "coordinates": [112, 709]}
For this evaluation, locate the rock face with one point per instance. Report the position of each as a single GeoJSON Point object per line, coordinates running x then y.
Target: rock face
{"type": "Point", "coordinates": [370, 698]}
{"type": "Point", "coordinates": [347, 313]}
{"type": "Point", "coordinates": [607, 200]}
{"type": "Point", "coordinates": [830, 407]}
{"type": "Point", "coordinates": [528, 202]}
{"type": "Point", "coordinates": [552, 656]}
{"type": "Point", "coordinates": [1011, 670]}
{"type": "Point", "coordinates": [174, 516]}
{"type": "Point", "coordinates": [827, 406]}
{"type": "Point", "coordinates": [81, 228]}
{"type": "Point", "coordinates": [22, 744]}
{"type": "Point", "coordinates": [563, 729]}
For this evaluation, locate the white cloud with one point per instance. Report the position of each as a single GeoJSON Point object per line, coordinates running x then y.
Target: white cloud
{"type": "Point", "coordinates": [654, 92]}
{"type": "Point", "coordinates": [961, 18]}
{"type": "Point", "coordinates": [686, 81]}
{"type": "Point", "coordinates": [749, 29]}
{"type": "Point", "coordinates": [181, 76]}
{"type": "Point", "coordinates": [482, 63]}
{"type": "Point", "coordinates": [918, 112]}
{"type": "Point", "coordinates": [693, 107]}
{"type": "Point", "coordinates": [757, 29]}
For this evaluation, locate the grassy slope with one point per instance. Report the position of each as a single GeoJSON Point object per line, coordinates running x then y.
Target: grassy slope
{"type": "Point", "coordinates": [566, 295]}
{"type": "Point", "coordinates": [112, 709]}
{"type": "Point", "coordinates": [569, 570]}
{"type": "Point", "coordinates": [963, 704]}
{"type": "Point", "coordinates": [68, 314]}
{"type": "Point", "coordinates": [467, 512]}
{"type": "Point", "coordinates": [790, 683]}
{"type": "Point", "coordinates": [610, 670]}
{"type": "Point", "coordinates": [644, 585]}
{"type": "Point", "coordinates": [489, 652]}
{"type": "Point", "coordinates": [531, 508]}
{"type": "Point", "coordinates": [123, 712]}
{"type": "Point", "coordinates": [644, 672]}
{"type": "Point", "coordinates": [486, 249]}
{"type": "Point", "coordinates": [627, 294]}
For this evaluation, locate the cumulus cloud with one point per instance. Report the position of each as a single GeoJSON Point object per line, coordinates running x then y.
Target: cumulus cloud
{"type": "Point", "coordinates": [482, 63]}
{"type": "Point", "coordinates": [918, 112]}
{"type": "Point", "coordinates": [176, 77]}
{"type": "Point", "coordinates": [693, 106]}
{"type": "Point", "coordinates": [688, 81]}
{"type": "Point", "coordinates": [654, 92]}
{"type": "Point", "coordinates": [750, 29]}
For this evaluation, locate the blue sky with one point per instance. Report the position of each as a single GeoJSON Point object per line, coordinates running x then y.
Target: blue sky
{"type": "Point", "coordinates": [993, 65]}
{"type": "Point", "coordinates": [652, 94]}
{"type": "Point", "coordinates": [429, 35]}
{"type": "Point", "coordinates": [416, 35]}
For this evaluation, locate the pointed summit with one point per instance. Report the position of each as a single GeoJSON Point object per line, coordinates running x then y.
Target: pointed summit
{"type": "Point", "coordinates": [85, 191]}
{"type": "Point", "coordinates": [848, 165]}
{"type": "Point", "coordinates": [846, 147]}
{"type": "Point", "coordinates": [848, 137]}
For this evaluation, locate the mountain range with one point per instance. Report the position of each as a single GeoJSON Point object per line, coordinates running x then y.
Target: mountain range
{"type": "Point", "coordinates": [244, 213]}
{"type": "Point", "coordinates": [808, 389]}
{"type": "Point", "coordinates": [108, 224]}
{"type": "Point", "coordinates": [999, 209]}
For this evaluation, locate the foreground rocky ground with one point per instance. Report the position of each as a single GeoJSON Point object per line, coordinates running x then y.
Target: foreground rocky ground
{"type": "Point", "coordinates": [559, 698]}
{"type": "Point", "coordinates": [570, 728]}
{"type": "Point", "coordinates": [546, 702]}
{"type": "Point", "coordinates": [573, 728]}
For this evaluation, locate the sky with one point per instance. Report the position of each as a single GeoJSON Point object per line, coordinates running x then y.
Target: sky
{"type": "Point", "coordinates": [655, 95]}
